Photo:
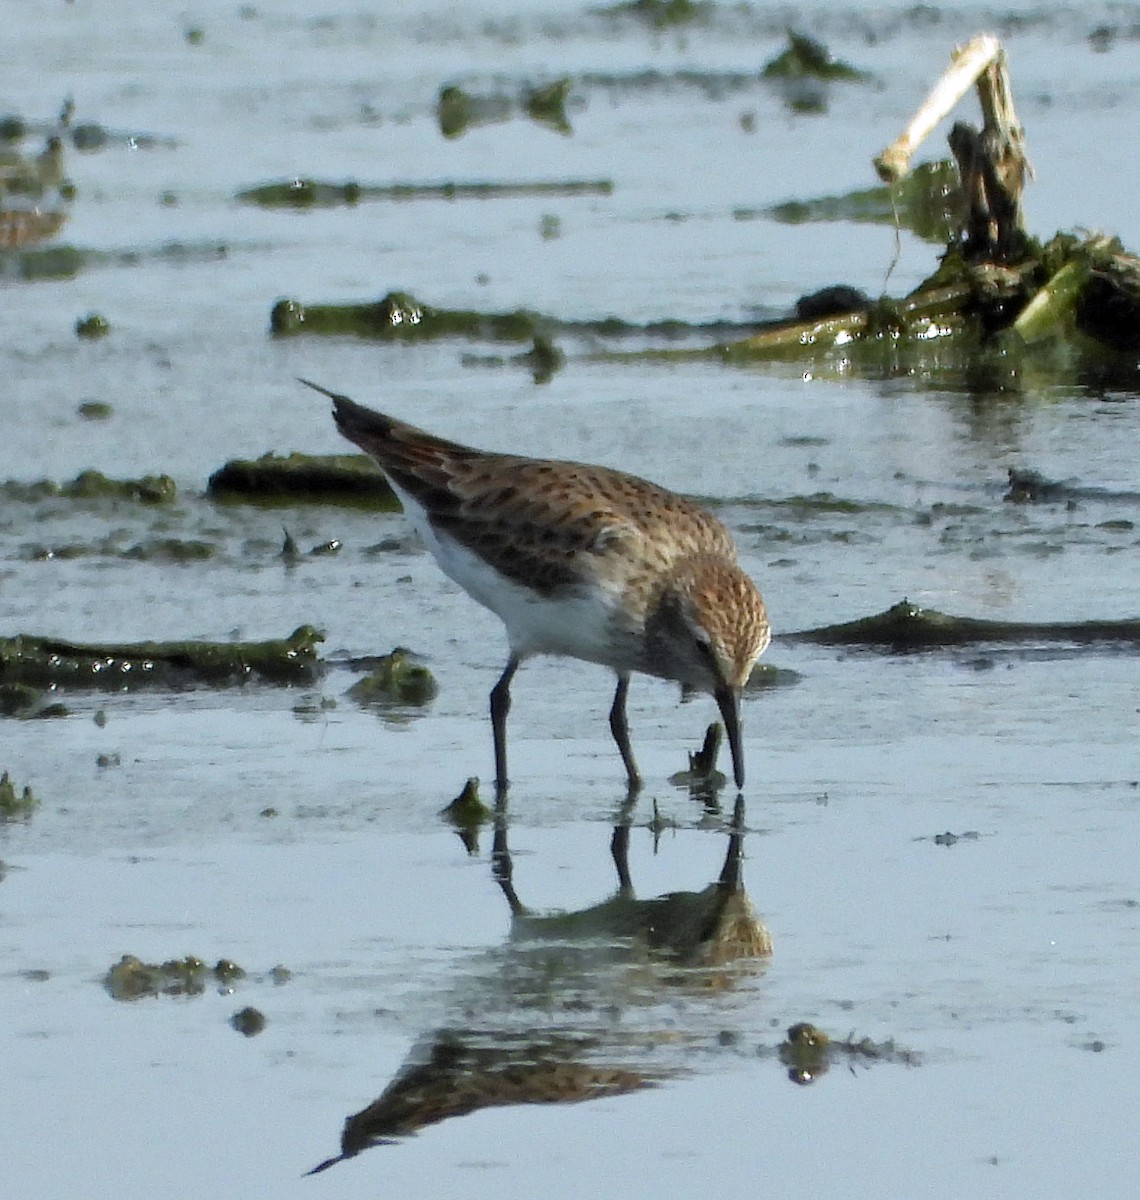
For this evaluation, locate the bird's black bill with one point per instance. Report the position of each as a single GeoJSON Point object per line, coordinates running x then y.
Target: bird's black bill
{"type": "Point", "coordinates": [323, 390]}
{"type": "Point", "coordinates": [729, 703]}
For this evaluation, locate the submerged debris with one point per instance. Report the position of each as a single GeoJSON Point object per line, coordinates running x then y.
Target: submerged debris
{"type": "Point", "coordinates": [53, 663]}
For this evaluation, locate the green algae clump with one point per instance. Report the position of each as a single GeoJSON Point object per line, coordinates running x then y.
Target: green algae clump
{"type": "Point", "coordinates": [399, 316]}
{"type": "Point", "coordinates": [467, 811]}
{"type": "Point", "coordinates": [95, 486]}
{"type": "Point", "coordinates": [15, 806]}
{"type": "Point", "coordinates": [906, 626]}
{"type": "Point", "coordinates": [397, 680]}
{"type": "Point", "coordinates": [132, 979]}
{"type": "Point", "coordinates": [52, 663]}
{"type": "Point", "coordinates": [92, 326]}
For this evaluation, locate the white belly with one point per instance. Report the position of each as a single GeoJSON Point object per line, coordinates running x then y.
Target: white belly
{"type": "Point", "coordinates": [579, 625]}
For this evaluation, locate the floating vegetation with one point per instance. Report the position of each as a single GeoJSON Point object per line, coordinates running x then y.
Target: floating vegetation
{"type": "Point", "coordinates": [52, 663]}
{"type": "Point", "coordinates": [35, 197]}
{"type": "Point", "coordinates": [905, 626]}
{"type": "Point", "coordinates": [92, 327]}
{"type": "Point", "coordinates": [352, 479]}
{"type": "Point", "coordinates": [397, 680]}
{"type": "Point", "coordinates": [458, 110]}
{"type": "Point", "coordinates": [768, 675]}
{"type": "Point", "coordinates": [94, 485]}
{"type": "Point", "coordinates": [808, 1052]}
{"type": "Point", "coordinates": [804, 72]}
{"type": "Point", "coordinates": [468, 814]}
{"type": "Point", "coordinates": [95, 410]}
{"type": "Point", "coordinates": [132, 979]}
{"type": "Point", "coordinates": [401, 317]}
{"type": "Point", "coordinates": [310, 193]}
{"type": "Point", "coordinates": [15, 806]}
{"type": "Point", "coordinates": [165, 550]}
{"type": "Point", "coordinates": [1000, 303]}
{"type": "Point", "coordinates": [662, 14]}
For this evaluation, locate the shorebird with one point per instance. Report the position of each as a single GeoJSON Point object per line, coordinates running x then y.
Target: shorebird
{"type": "Point", "coordinates": [577, 560]}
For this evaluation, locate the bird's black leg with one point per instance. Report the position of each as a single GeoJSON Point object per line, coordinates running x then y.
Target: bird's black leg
{"type": "Point", "coordinates": [620, 729]}
{"type": "Point", "coordinates": [500, 706]}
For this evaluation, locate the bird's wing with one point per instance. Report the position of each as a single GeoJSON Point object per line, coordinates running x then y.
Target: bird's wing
{"type": "Point", "coordinates": [554, 525]}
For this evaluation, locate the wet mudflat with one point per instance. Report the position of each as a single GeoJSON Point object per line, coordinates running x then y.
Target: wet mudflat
{"type": "Point", "coordinates": [940, 844]}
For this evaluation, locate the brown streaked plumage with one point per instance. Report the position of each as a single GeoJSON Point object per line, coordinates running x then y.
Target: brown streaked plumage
{"type": "Point", "coordinates": [577, 560]}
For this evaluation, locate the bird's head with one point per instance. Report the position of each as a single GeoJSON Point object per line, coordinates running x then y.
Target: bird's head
{"type": "Point", "coordinates": [707, 631]}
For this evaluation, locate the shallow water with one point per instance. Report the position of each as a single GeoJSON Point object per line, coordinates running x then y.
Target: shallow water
{"type": "Point", "coordinates": [289, 826]}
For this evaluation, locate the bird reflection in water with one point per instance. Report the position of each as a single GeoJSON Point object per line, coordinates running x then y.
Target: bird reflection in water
{"type": "Point", "coordinates": [546, 1031]}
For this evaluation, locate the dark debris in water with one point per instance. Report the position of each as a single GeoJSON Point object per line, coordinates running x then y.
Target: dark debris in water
{"type": "Point", "coordinates": [1031, 487]}
{"type": "Point", "coordinates": [702, 777]}
{"type": "Point", "coordinates": [248, 1021]}
{"type": "Point", "coordinates": [352, 479]}
{"type": "Point", "coordinates": [52, 663]}
{"type": "Point", "coordinates": [952, 839]}
{"type": "Point", "coordinates": [312, 193]}
{"type": "Point", "coordinates": [905, 626]}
